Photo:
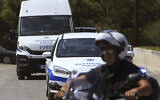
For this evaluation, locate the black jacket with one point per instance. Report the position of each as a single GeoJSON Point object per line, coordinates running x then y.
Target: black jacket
{"type": "Point", "coordinates": [106, 81]}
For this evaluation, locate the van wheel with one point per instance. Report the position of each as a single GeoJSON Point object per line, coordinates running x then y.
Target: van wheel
{"type": "Point", "coordinates": [21, 77]}
{"type": "Point", "coordinates": [20, 74]}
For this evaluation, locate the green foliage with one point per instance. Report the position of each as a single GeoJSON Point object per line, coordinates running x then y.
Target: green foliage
{"type": "Point", "coordinates": [116, 14]}
{"type": "Point", "coordinates": [151, 33]}
{"type": "Point", "coordinates": [86, 13]}
{"type": "Point", "coordinates": [148, 12]}
{"type": "Point", "coordinates": [9, 10]}
{"type": "Point", "coordinates": [102, 14]}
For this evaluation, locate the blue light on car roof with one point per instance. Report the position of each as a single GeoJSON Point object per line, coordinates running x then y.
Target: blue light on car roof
{"type": "Point", "coordinates": [143, 70]}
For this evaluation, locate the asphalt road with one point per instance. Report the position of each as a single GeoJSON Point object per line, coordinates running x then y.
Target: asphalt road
{"type": "Point", "coordinates": [13, 89]}
{"type": "Point", "coordinates": [31, 89]}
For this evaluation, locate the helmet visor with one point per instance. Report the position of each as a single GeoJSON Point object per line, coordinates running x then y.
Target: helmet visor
{"type": "Point", "coordinates": [108, 48]}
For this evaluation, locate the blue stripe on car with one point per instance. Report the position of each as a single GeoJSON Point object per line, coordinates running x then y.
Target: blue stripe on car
{"type": "Point", "coordinates": [55, 78]}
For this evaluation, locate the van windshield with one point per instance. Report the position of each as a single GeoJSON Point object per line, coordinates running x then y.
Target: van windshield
{"type": "Point", "coordinates": [78, 48]}
{"type": "Point", "coordinates": [45, 25]}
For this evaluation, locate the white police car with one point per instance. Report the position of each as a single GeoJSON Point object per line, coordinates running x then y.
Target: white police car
{"type": "Point", "coordinates": [72, 52]}
{"type": "Point", "coordinates": [130, 54]}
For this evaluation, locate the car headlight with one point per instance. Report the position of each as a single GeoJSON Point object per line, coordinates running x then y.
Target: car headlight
{"type": "Point", "coordinates": [61, 70]}
{"type": "Point", "coordinates": [22, 47]}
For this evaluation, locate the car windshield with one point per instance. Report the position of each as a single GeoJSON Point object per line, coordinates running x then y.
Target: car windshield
{"type": "Point", "coordinates": [78, 48]}
{"type": "Point", "coordinates": [45, 25]}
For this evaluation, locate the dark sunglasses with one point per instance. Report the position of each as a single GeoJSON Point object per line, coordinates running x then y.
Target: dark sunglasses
{"type": "Point", "coordinates": [106, 48]}
{"type": "Point", "coordinates": [108, 51]}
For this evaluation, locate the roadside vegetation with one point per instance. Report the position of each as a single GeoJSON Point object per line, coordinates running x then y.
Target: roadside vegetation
{"type": "Point", "coordinates": [102, 14]}
{"type": "Point", "coordinates": [156, 48]}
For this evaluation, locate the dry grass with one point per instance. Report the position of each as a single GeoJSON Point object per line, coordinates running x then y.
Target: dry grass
{"type": "Point", "coordinates": [156, 48]}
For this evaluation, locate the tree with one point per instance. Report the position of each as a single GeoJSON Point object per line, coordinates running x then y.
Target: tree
{"type": "Point", "coordinates": [86, 13]}
{"type": "Point", "coordinates": [114, 14]}
{"type": "Point", "coordinates": [9, 19]}
{"type": "Point", "coordinates": [151, 34]}
{"type": "Point", "coordinates": [102, 14]}
{"type": "Point", "coordinates": [148, 13]}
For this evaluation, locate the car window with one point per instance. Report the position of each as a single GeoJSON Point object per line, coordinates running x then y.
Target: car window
{"type": "Point", "coordinates": [78, 48]}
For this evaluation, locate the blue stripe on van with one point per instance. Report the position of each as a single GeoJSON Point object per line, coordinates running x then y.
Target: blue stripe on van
{"type": "Point", "coordinates": [19, 50]}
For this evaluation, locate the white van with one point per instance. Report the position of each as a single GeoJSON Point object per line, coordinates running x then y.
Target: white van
{"type": "Point", "coordinates": [40, 22]}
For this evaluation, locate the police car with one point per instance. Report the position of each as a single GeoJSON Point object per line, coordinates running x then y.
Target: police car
{"type": "Point", "coordinates": [130, 54]}
{"type": "Point", "coordinates": [72, 52]}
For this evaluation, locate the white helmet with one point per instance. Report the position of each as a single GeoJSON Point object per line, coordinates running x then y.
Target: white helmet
{"type": "Point", "coordinates": [115, 39]}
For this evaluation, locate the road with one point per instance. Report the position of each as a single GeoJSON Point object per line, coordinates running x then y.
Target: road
{"type": "Point", "coordinates": [32, 89]}
{"type": "Point", "coordinates": [13, 89]}
{"type": "Point", "coordinates": [149, 59]}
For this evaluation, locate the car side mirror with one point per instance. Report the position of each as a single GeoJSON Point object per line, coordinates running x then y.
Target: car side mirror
{"type": "Point", "coordinates": [46, 55]}
{"type": "Point", "coordinates": [12, 35]}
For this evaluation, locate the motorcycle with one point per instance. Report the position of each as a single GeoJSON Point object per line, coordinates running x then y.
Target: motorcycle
{"type": "Point", "coordinates": [82, 92]}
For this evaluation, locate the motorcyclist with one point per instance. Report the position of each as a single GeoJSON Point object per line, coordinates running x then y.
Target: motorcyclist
{"type": "Point", "coordinates": [108, 77]}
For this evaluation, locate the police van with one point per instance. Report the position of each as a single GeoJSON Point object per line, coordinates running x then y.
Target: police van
{"type": "Point", "coordinates": [75, 52]}
{"type": "Point", "coordinates": [40, 22]}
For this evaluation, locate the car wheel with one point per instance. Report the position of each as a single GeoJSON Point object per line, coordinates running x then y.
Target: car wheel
{"type": "Point", "coordinates": [7, 60]}
{"type": "Point", "coordinates": [47, 86]}
{"type": "Point", "coordinates": [48, 93]}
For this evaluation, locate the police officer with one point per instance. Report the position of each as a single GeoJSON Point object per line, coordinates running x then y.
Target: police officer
{"type": "Point", "coordinates": [106, 79]}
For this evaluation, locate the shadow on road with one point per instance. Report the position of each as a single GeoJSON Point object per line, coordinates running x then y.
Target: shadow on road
{"type": "Point", "coordinates": [36, 77]}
